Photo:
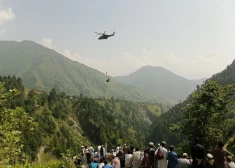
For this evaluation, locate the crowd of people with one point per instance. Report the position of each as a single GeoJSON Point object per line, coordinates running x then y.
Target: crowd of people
{"type": "Point", "coordinates": [154, 157]}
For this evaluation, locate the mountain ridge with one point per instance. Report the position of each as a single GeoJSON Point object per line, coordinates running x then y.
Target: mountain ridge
{"type": "Point", "coordinates": [43, 68]}
{"type": "Point", "coordinates": [160, 81]}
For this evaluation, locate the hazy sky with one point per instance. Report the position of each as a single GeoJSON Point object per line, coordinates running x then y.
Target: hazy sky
{"type": "Point", "coordinates": [192, 38]}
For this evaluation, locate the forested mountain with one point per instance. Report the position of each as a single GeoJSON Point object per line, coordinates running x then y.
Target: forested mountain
{"type": "Point", "coordinates": [64, 123]}
{"type": "Point", "coordinates": [227, 76]}
{"type": "Point", "coordinates": [43, 69]}
{"type": "Point", "coordinates": [160, 81]}
{"type": "Point", "coordinates": [162, 128]}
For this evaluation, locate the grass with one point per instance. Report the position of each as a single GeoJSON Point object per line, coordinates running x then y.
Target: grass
{"type": "Point", "coordinates": [48, 161]}
{"type": "Point", "coordinates": [155, 109]}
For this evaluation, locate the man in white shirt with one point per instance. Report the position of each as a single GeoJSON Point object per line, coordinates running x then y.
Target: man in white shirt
{"type": "Point", "coordinates": [163, 162]}
{"type": "Point", "coordinates": [98, 151]}
{"type": "Point", "coordinates": [231, 164]}
{"type": "Point", "coordinates": [128, 159]}
{"type": "Point", "coordinates": [184, 162]}
{"type": "Point", "coordinates": [136, 158]}
{"type": "Point", "coordinates": [91, 149]}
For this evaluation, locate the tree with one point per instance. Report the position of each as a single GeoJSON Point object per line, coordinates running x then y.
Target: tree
{"type": "Point", "coordinates": [13, 123]}
{"type": "Point", "coordinates": [205, 113]}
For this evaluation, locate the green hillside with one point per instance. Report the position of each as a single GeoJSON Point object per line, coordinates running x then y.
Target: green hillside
{"type": "Point", "coordinates": [160, 81]}
{"type": "Point", "coordinates": [65, 123]}
{"type": "Point", "coordinates": [42, 69]}
{"type": "Point", "coordinates": [216, 98]}
{"type": "Point", "coordinates": [227, 76]}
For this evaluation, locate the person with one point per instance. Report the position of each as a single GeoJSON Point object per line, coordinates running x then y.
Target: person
{"type": "Point", "coordinates": [76, 161]}
{"type": "Point", "coordinates": [116, 162]}
{"type": "Point", "coordinates": [155, 156]}
{"type": "Point", "coordinates": [118, 149]}
{"type": "Point", "coordinates": [98, 151]}
{"type": "Point", "coordinates": [113, 151]}
{"type": "Point", "coordinates": [144, 161]}
{"type": "Point", "coordinates": [125, 149]}
{"type": "Point", "coordinates": [151, 153]}
{"type": "Point", "coordinates": [107, 165]}
{"type": "Point", "coordinates": [121, 156]}
{"type": "Point", "coordinates": [88, 155]}
{"type": "Point", "coordinates": [102, 152]}
{"type": "Point", "coordinates": [136, 158]}
{"type": "Point", "coordinates": [91, 150]}
{"type": "Point", "coordinates": [219, 154]}
{"type": "Point", "coordinates": [231, 164]}
{"type": "Point", "coordinates": [128, 159]}
{"type": "Point", "coordinates": [82, 158]}
{"type": "Point", "coordinates": [184, 162]}
{"type": "Point", "coordinates": [163, 162]}
{"type": "Point", "coordinates": [172, 158]}
{"type": "Point", "coordinates": [132, 147]}
{"type": "Point", "coordinates": [109, 157]}
{"type": "Point", "coordinates": [209, 163]}
{"type": "Point", "coordinates": [101, 163]}
{"type": "Point", "coordinates": [198, 154]}
{"type": "Point", "coordinates": [93, 163]}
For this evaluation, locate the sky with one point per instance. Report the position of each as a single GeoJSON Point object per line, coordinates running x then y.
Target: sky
{"type": "Point", "coordinates": [192, 38]}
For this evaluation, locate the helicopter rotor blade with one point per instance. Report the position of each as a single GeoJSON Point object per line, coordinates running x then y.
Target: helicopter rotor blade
{"type": "Point", "coordinates": [98, 33]}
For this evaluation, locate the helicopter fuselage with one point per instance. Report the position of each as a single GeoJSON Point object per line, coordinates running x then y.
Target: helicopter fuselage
{"type": "Point", "coordinates": [105, 36]}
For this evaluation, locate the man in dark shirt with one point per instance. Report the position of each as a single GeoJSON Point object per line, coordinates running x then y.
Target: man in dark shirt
{"type": "Point", "coordinates": [198, 154]}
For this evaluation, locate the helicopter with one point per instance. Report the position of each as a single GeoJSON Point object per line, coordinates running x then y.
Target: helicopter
{"type": "Point", "coordinates": [104, 36]}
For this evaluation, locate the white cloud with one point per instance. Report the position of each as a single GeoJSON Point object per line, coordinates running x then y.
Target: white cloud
{"type": "Point", "coordinates": [6, 15]}
{"type": "Point", "coordinates": [47, 42]}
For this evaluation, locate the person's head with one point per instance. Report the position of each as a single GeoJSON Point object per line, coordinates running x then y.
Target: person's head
{"type": "Point", "coordinates": [185, 155]}
{"type": "Point", "coordinates": [151, 144]}
{"type": "Point", "coordinates": [209, 156]}
{"type": "Point", "coordinates": [163, 143]}
{"type": "Point", "coordinates": [137, 149]}
{"type": "Point", "coordinates": [129, 151]}
{"type": "Point", "coordinates": [105, 162]}
{"type": "Point", "coordinates": [171, 147]}
{"type": "Point", "coordinates": [121, 152]}
{"type": "Point", "coordinates": [229, 158]}
{"type": "Point", "coordinates": [220, 144]}
{"type": "Point", "coordinates": [101, 160]}
{"type": "Point", "coordinates": [116, 161]}
{"type": "Point", "coordinates": [96, 159]}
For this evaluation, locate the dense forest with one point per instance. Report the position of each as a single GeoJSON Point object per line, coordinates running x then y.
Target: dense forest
{"type": "Point", "coordinates": [60, 122]}
{"type": "Point", "coordinates": [54, 123]}
{"type": "Point", "coordinates": [207, 113]}
{"type": "Point", "coordinates": [226, 77]}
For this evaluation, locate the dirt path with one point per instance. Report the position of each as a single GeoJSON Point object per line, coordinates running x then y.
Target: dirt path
{"type": "Point", "coordinates": [40, 152]}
